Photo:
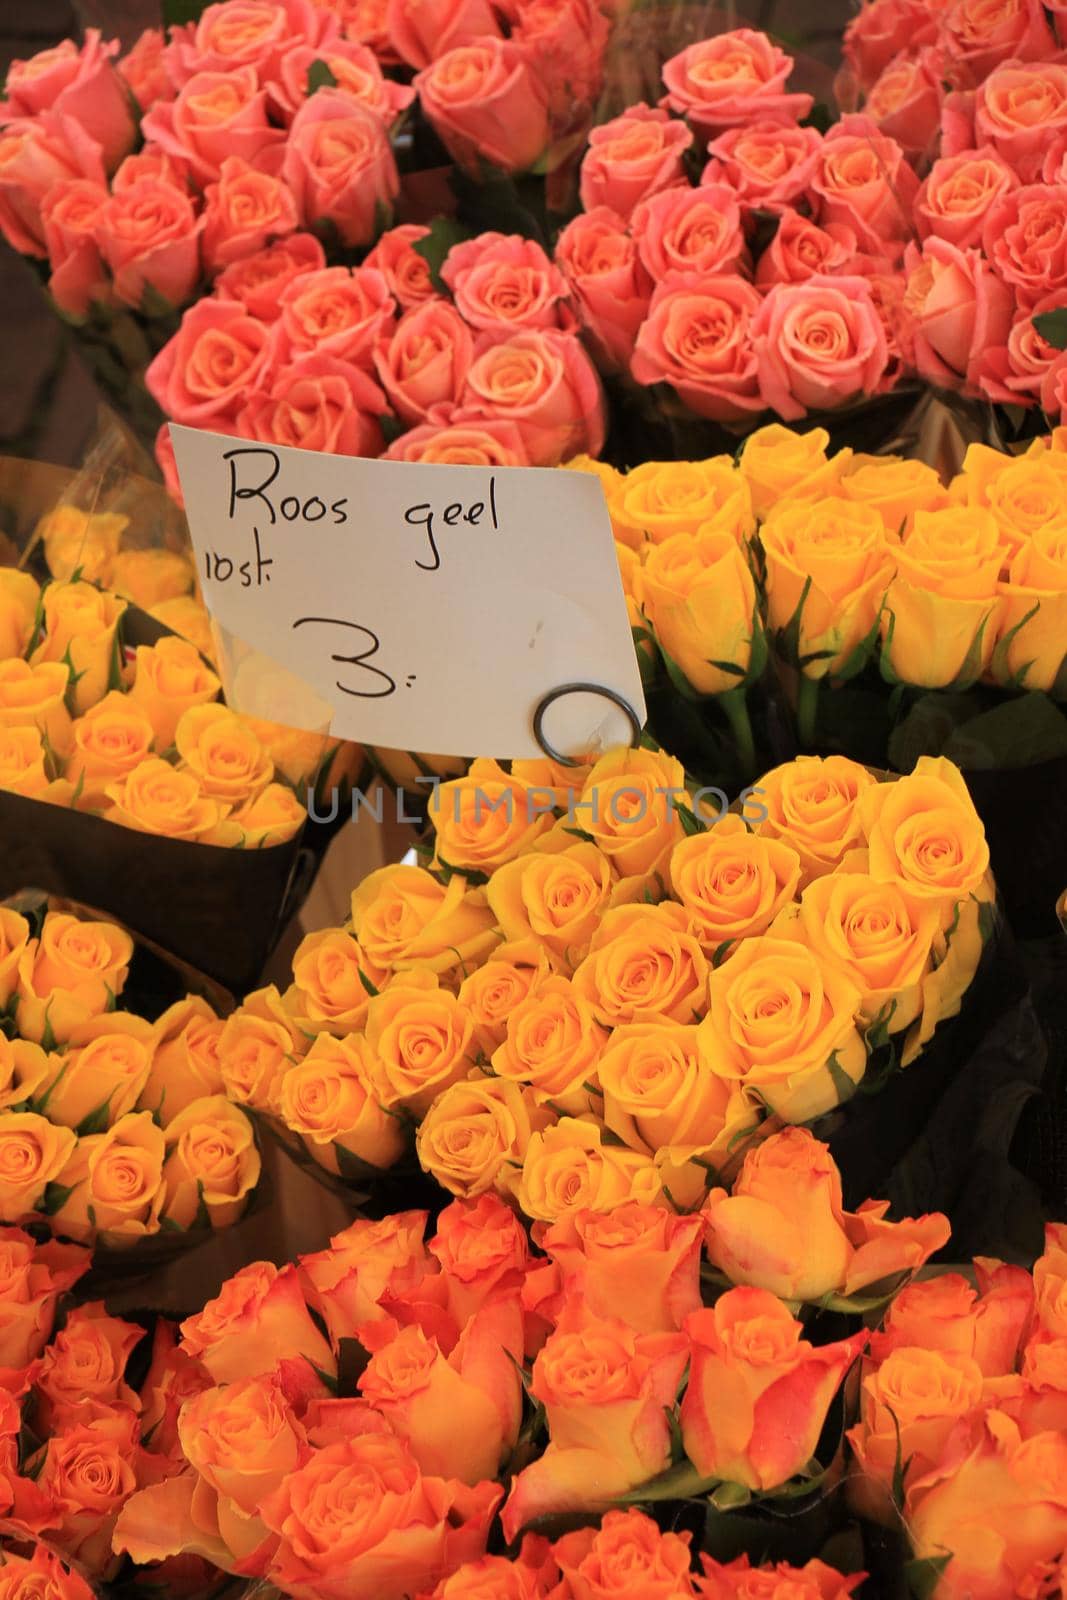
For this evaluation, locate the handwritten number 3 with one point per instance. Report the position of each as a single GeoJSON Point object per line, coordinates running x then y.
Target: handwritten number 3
{"type": "Point", "coordinates": [361, 660]}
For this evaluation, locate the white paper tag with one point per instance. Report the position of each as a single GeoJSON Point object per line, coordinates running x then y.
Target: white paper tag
{"type": "Point", "coordinates": [413, 606]}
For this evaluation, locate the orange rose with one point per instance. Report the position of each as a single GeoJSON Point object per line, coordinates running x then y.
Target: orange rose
{"type": "Point", "coordinates": [733, 883]}
{"type": "Point", "coordinates": [36, 697]}
{"type": "Point", "coordinates": [41, 1577]}
{"type": "Point", "coordinates": [83, 1370]}
{"type": "Point", "coordinates": [811, 805]}
{"type": "Point", "coordinates": [115, 1183]}
{"type": "Point", "coordinates": [500, 1578]}
{"type": "Point", "coordinates": [640, 1264]}
{"type": "Point", "coordinates": [33, 1154]}
{"type": "Point", "coordinates": [80, 625]}
{"type": "Point", "coordinates": [629, 808]}
{"type": "Point", "coordinates": [423, 1039]}
{"type": "Point", "coordinates": [172, 1378]}
{"type": "Point", "coordinates": [103, 1073]}
{"type": "Point", "coordinates": [476, 1134]}
{"type": "Point", "coordinates": [212, 1163]}
{"type": "Point", "coordinates": [110, 740]}
{"type": "Point", "coordinates": [367, 1263]}
{"type": "Point", "coordinates": [607, 1393]}
{"type": "Point", "coordinates": [556, 897]}
{"type": "Point", "coordinates": [1050, 1281]}
{"type": "Point", "coordinates": [402, 916]}
{"type": "Point", "coordinates": [223, 753]}
{"type": "Point", "coordinates": [32, 1278]}
{"type": "Point", "coordinates": [14, 937]}
{"type": "Point", "coordinates": [331, 1099]}
{"type": "Point", "coordinates": [155, 797]}
{"type": "Point", "coordinates": [944, 1313]}
{"type": "Point", "coordinates": [513, 973]}
{"type": "Point", "coordinates": [72, 972]}
{"type": "Point", "coordinates": [925, 830]}
{"type": "Point", "coordinates": [569, 1168]}
{"type": "Point", "coordinates": [481, 1248]}
{"type": "Point", "coordinates": [644, 965]}
{"type": "Point", "coordinates": [739, 1580]}
{"type": "Point", "coordinates": [186, 1063]}
{"type": "Point", "coordinates": [628, 1557]}
{"type": "Point", "coordinates": [758, 1393]}
{"type": "Point", "coordinates": [169, 678]}
{"type": "Point", "coordinates": [258, 1044]}
{"type": "Point", "coordinates": [89, 1473]}
{"type": "Point", "coordinates": [258, 1319]}
{"type": "Point", "coordinates": [484, 819]}
{"type": "Point", "coordinates": [785, 1229]}
{"type": "Point", "coordinates": [553, 1044]}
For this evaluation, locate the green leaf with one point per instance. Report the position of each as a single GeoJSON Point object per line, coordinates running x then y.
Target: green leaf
{"type": "Point", "coordinates": [924, 1575]}
{"type": "Point", "coordinates": [444, 233]}
{"type": "Point", "coordinates": [998, 665]}
{"type": "Point", "coordinates": [96, 1121]}
{"type": "Point", "coordinates": [320, 77]}
{"type": "Point", "coordinates": [55, 1197]}
{"type": "Point", "coordinates": [1052, 326]}
{"type": "Point", "coordinates": [843, 1084]}
{"type": "Point", "coordinates": [730, 1496]}
{"type": "Point", "coordinates": [691, 823]}
{"type": "Point", "coordinates": [177, 12]}
{"type": "Point", "coordinates": [168, 1225]}
{"type": "Point", "coordinates": [202, 1220]}
{"type": "Point", "coordinates": [720, 953]}
{"type": "Point", "coordinates": [370, 988]}
{"type": "Point", "coordinates": [324, 1378]}
{"type": "Point", "coordinates": [787, 639]}
{"type": "Point", "coordinates": [861, 653]}
{"type": "Point", "coordinates": [392, 427]}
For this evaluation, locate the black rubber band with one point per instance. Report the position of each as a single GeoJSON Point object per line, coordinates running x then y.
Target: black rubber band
{"type": "Point", "coordinates": [579, 688]}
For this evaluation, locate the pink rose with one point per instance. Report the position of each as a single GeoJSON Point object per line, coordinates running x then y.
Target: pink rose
{"type": "Point", "coordinates": [502, 280]}
{"type": "Point", "coordinates": [203, 375]}
{"type": "Point", "coordinates": [978, 35]}
{"type": "Point", "coordinates": [881, 31]}
{"type": "Point", "coordinates": [863, 180]}
{"type": "Point", "coordinates": [768, 165]}
{"type": "Point", "coordinates": [955, 196]}
{"type": "Point", "coordinates": [366, 21]}
{"type": "Point", "coordinates": [801, 250]}
{"type": "Point", "coordinates": [698, 338]}
{"type": "Point", "coordinates": [144, 70]}
{"type": "Point", "coordinates": [70, 214]}
{"type": "Point", "coordinates": [1014, 372]}
{"type": "Point", "coordinates": [632, 157]}
{"type": "Point", "coordinates": [1054, 166]}
{"type": "Point", "coordinates": [731, 80]}
{"type": "Point", "coordinates": [425, 359]}
{"type": "Point", "coordinates": [1020, 110]}
{"type": "Point", "coordinates": [600, 262]}
{"type": "Point", "coordinates": [150, 235]}
{"type": "Point", "coordinates": [317, 403]}
{"type": "Point", "coordinates": [152, 162]}
{"type": "Point", "coordinates": [905, 102]}
{"type": "Point", "coordinates": [342, 312]}
{"type": "Point", "coordinates": [242, 212]}
{"type": "Point", "coordinates": [1025, 239]}
{"type": "Point", "coordinates": [358, 74]}
{"type": "Point", "coordinates": [471, 444]}
{"type": "Point", "coordinates": [957, 123]}
{"type": "Point", "coordinates": [958, 308]}
{"type": "Point", "coordinates": [887, 285]}
{"type": "Point", "coordinates": [406, 272]}
{"type": "Point", "coordinates": [682, 232]}
{"type": "Point", "coordinates": [564, 42]}
{"type": "Point", "coordinates": [34, 155]}
{"type": "Point", "coordinates": [80, 84]}
{"type": "Point", "coordinates": [486, 103]}
{"type": "Point", "coordinates": [818, 344]}
{"type": "Point", "coordinates": [258, 280]}
{"type": "Point", "coordinates": [216, 114]}
{"type": "Point", "coordinates": [542, 381]}
{"type": "Point", "coordinates": [1054, 388]}
{"type": "Point", "coordinates": [423, 30]}
{"type": "Point", "coordinates": [339, 165]}
{"type": "Point", "coordinates": [167, 464]}
{"type": "Point", "coordinates": [257, 34]}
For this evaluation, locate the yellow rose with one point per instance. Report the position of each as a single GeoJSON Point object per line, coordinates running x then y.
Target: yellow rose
{"type": "Point", "coordinates": [423, 1039]}
{"type": "Point", "coordinates": [940, 616]}
{"type": "Point", "coordinates": [23, 1069]}
{"type": "Point", "coordinates": [23, 770]}
{"type": "Point", "coordinates": [150, 577]}
{"type": "Point", "coordinates": [156, 798]}
{"type": "Point", "coordinates": [552, 1045]}
{"type": "Point", "coordinates": [332, 1098]}
{"type": "Point", "coordinates": [476, 1133]}
{"type": "Point", "coordinates": [733, 883]}
{"type": "Point", "coordinates": [35, 697]}
{"type": "Point", "coordinates": [298, 755]}
{"type": "Point", "coordinates": [110, 740]}
{"type": "Point", "coordinates": [1023, 495]}
{"type": "Point", "coordinates": [777, 464]}
{"type": "Point", "coordinates": [564, 782]}
{"type": "Point", "coordinates": [19, 596]}
{"type": "Point", "coordinates": [783, 1024]}
{"type": "Point", "coordinates": [881, 935]}
{"type": "Point", "coordinates": [222, 753]}
{"type": "Point", "coordinates": [1032, 630]}
{"type": "Point", "coordinates": [74, 971]}
{"type": "Point", "coordinates": [169, 677]}
{"type": "Point", "coordinates": [403, 769]}
{"type": "Point", "coordinates": [612, 481]}
{"type": "Point", "coordinates": [80, 627]}
{"type": "Point", "coordinates": [14, 937]}
{"type": "Point", "coordinates": [644, 965]}
{"type": "Point", "coordinates": [831, 561]}
{"type": "Point", "coordinates": [333, 980]}
{"type": "Point", "coordinates": [629, 808]}
{"type": "Point", "coordinates": [258, 1044]}
{"type": "Point", "coordinates": [895, 487]}
{"type": "Point", "coordinates": [212, 1163]}
{"type": "Point", "coordinates": [33, 1154]}
{"type": "Point", "coordinates": [555, 897]}
{"type": "Point", "coordinates": [102, 1074]}
{"type": "Point", "coordinates": [81, 541]}
{"type": "Point", "coordinates": [661, 498]}
{"type": "Point", "coordinates": [924, 829]}
{"type": "Point", "coordinates": [629, 569]}
{"type": "Point", "coordinates": [185, 1066]}
{"type": "Point", "coordinates": [190, 619]}
{"type": "Point", "coordinates": [811, 805]}
{"type": "Point", "coordinates": [485, 819]}
{"type": "Point", "coordinates": [272, 817]}
{"type": "Point", "coordinates": [697, 592]}
{"type": "Point", "coordinates": [403, 917]}
{"type": "Point", "coordinates": [569, 1168]}
{"type": "Point", "coordinates": [491, 992]}
{"type": "Point", "coordinates": [115, 1181]}
{"type": "Point", "coordinates": [957, 952]}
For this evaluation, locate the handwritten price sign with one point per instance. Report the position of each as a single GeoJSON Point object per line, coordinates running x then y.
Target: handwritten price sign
{"type": "Point", "coordinates": [408, 605]}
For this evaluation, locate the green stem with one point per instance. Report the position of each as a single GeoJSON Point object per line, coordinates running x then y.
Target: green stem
{"type": "Point", "coordinates": [735, 705]}
{"type": "Point", "coordinates": [807, 710]}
